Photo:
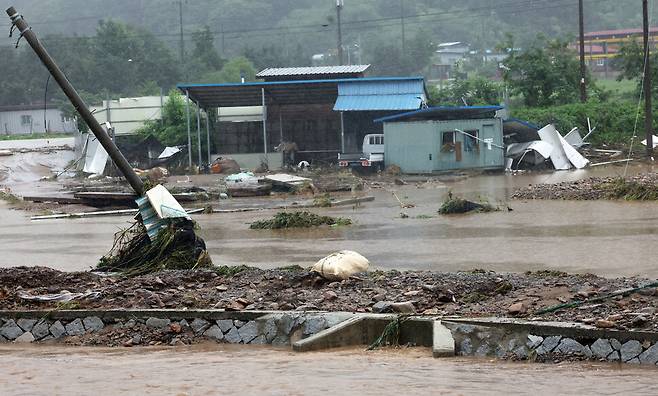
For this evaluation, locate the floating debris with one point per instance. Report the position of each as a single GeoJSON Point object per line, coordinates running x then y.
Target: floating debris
{"type": "Point", "coordinates": [298, 220]}
{"type": "Point", "coordinates": [461, 205]}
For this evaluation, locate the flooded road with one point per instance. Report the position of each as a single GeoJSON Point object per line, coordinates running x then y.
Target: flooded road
{"type": "Point", "coordinates": [216, 369]}
{"type": "Point", "coordinates": [608, 238]}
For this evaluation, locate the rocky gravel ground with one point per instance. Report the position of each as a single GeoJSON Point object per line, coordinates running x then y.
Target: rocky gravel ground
{"type": "Point", "coordinates": [639, 187]}
{"type": "Point", "coordinates": [472, 294]}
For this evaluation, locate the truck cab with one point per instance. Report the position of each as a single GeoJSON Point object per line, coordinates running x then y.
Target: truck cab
{"type": "Point", "coordinates": [371, 157]}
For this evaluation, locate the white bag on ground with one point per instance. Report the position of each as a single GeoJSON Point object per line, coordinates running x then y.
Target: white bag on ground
{"type": "Point", "coordinates": [341, 265]}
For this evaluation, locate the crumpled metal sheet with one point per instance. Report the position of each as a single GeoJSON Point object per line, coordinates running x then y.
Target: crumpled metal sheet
{"type": "Point", "coordinates": [59, 297]}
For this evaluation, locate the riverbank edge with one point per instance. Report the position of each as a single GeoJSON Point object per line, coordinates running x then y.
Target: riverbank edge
{"type": "Point", "coordinates": [502, 338]}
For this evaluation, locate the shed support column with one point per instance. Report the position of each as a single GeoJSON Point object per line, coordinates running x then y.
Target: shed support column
{"type": "Point", "coordinates": [342, 132]}
{"type": "Point", "coordinates": [208, 135]}
{"type": "Point", "coordinates": [280, 126]}
{"type": "Point", "coordinates": [264, 126]}
{"type": "Point", "coordinates": [198, 133]}
{"type": "Point", "coordinates": [189, 129]}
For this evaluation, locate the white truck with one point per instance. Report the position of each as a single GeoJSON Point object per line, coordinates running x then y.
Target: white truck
{"type": "Point", "coordinates": [372, 157]}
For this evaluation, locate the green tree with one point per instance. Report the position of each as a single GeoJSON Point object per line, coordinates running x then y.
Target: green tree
{"type": "Point", "coordinates": [205, 57]}
{"type": "Point", "coordinates": [232, 72]}
{"type": "Point", "coordinates": [172, 129]}
{"type": "Point", "coordinates": [545, 74]}
{"type": "Point", "coordinates": [475, 91]}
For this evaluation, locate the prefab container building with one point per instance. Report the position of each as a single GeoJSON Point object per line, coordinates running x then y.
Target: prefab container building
{"type": "Point", "coordinates": [444, 138]}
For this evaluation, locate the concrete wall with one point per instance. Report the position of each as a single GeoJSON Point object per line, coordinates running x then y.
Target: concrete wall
{"type": "Point", "coordinates": [253, 161]}
{"type": "Point", "coordinates": [417, 147]}
{"type": "Point", "coordinates": [21, 122]}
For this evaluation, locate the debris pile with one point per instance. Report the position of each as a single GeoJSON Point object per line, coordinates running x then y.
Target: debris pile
{"type": "Point", "coordinates": [469, 294]}
{"type": "Point", "coordinates": [298, 220]}
{"type": "Point", "coordinates": [637, 188]}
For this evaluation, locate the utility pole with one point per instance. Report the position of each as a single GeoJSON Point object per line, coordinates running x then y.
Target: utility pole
{"type": "Point", "coordinates": [583, 69]}
{"type": "Point", "coordinates": [648, 116]}
{"type": "Point", "coordinates": [182, 37]}
{"type": "Point", "coordinates": [339, 8]}
{"type": "Point", "coordinates": [404, 40]}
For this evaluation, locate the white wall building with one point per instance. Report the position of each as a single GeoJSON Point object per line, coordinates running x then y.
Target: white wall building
{"type": "Point", "coordinates": [127, 115]}
{"type": "Point", "coordinates": [28, 119]}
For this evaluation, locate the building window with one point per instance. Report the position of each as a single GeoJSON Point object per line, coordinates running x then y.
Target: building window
{"type": "Point", "coordinates": [600, 62]}
{"type": "Point", "coordinates": [448, 141]}
{"type": "Point", "coordinates": [26, 119]}
{"type": "Point", "coordinates": [471, 142]}
{"type": "Point", "coordinates": [376, 140]}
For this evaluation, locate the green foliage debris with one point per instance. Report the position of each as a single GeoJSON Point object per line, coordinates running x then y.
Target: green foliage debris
{"type": "Point", "coordinates": [298, 220]}
{"type": "Point", "coordinates": [460, 205]}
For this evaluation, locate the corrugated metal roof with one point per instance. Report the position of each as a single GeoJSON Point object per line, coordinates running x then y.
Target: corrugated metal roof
{"type": "Point", "coordinates": [619, 32]}
{"type": "Point", "coordinates": [311, 71]}
{"type": "Point", "coordinates": [378, 102]}
{"type": "Point", "coordinates": [280, 92]}
{"type": "Point", "coordinates": [443, 113]}
{"type": "Point", "coordinates": [371, 95]}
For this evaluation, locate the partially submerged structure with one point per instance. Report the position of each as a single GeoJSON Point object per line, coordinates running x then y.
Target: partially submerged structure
{"type": "Point", "coordinates": [444, 138]}
{"type": "Point", "coordinates": [321, 116]}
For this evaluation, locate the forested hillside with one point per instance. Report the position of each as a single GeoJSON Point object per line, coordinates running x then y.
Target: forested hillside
{"type": "Point", "coordinates": [132, 47]}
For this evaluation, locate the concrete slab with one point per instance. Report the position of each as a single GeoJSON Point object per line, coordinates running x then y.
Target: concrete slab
{"type": "Point", "coordinates": [443, 342]}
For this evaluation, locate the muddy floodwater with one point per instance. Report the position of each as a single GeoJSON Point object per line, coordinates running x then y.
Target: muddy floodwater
{"type": "Point", "coordinates": [209, 370]}
{"type": "Point", "coordinates": [608, 238]}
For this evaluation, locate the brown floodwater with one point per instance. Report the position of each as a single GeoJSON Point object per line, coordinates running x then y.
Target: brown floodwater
{"type": "Point", "coordinates": [608, 238]}
{"type": "Point", "coordinates": [218, 369]}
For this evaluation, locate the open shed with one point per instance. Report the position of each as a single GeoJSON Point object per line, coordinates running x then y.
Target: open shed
{"type": "Point", "coordinates": [444, 138]}
{"type": "Point", "coordinates": [322, 117]}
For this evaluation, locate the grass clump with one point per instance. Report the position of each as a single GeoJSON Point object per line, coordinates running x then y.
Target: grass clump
{"type": "Point", "coordinates": [460, 205]}
{"type": "Point", "coordinates": [8, 197]}
{"type": "Point", "coordinates": [230, 271]}
{"type": "Point", "coordinates": [175, 247]}
{"type": "Point", "coordinates": [323, 201]}
{"type": "Point", "coordinates": [298, 220]}
{"type": "Point", "coordinates": [630, 190]}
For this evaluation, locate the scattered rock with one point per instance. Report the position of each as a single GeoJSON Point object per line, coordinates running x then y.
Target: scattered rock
{"type": "Point", "coordinates": [158, 323]}
{"type": "Point", "coordinates": [517, 309]}
{"type": "Point", "coordinates": [569, 346]}
{"type": "Point", "coordinates": [403, 307]}
{"type": "Point", "coordinates": [382, 307]}
{"type": "Point", "coordinates": [329, 295]}
{"type": "Point", "coordinates": [176, 328]}
{"type": "Point", "coordinates": [75, 328]}
{"type": "Point", "coordinates": [604, 324]}
{"type": "Point", "coordinates": [639, 321]}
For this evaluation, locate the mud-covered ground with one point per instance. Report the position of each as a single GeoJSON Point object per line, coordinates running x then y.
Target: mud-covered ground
{"type": "Point", "coordinates": [474, 293]}
{"type": "Point", "coordinates": [639, 187]}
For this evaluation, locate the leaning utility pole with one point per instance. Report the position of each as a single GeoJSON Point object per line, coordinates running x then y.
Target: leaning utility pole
{"type": "Point", "coordinates": [648, 116]}
{"type": "Point", "coordinates": [80, 106]}
{"type": "Point", "coordinates": [339, 8]}
{"type": "Point", "coordinates": [583, 69]}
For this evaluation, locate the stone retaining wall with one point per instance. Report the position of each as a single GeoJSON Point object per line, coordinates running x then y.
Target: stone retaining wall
{"type": "Point", "coordinates": [130, 329]}
{"type": "Point", "coordinates": [503, 343]}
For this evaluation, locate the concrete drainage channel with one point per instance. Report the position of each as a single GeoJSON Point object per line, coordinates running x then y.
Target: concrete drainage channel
{"type": "Point", "coordinates": [314, 331]}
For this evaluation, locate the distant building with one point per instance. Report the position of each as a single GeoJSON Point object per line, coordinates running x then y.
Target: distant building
{"type": "Point", "coordinates": [446, 57]}
{"type": "Point", "coordinates": [34, 118]}
{"type": "Point", "coordinates": [127, 115]}
{"type": "Point", "coordinates": [602, 47]}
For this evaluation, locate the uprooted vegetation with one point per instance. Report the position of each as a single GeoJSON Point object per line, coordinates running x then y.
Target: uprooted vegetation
{"type": "Point", "coordinates": [637, 188]}
{"type": "Point", "coordinates": [455, 205]}
{"type": "Point", "coordinates": [298, 220]}
{"type": "Point", "coordinates": [8, 197]}
{"type": "Point", "coordinates": [175, 247]}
